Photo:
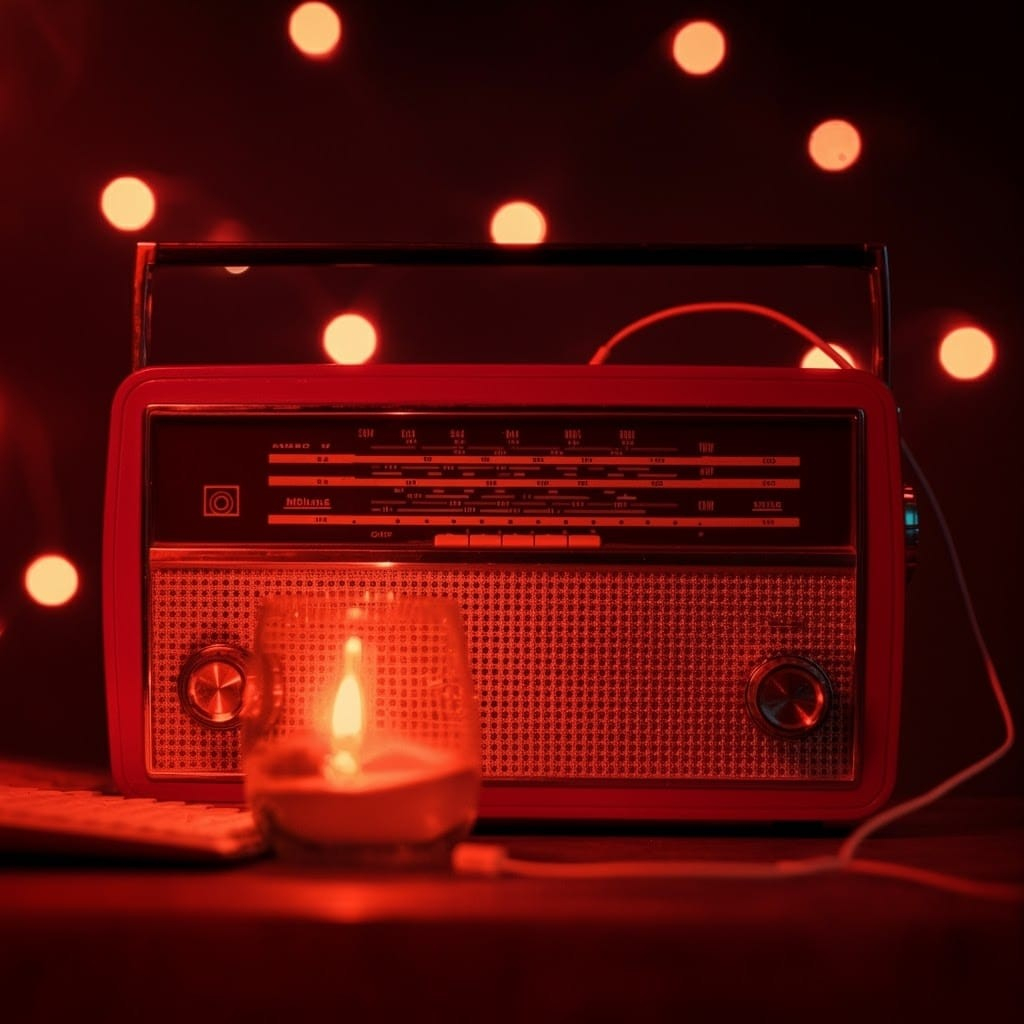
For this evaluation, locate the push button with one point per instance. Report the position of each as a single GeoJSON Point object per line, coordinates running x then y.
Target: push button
{"type": "Point", "coordinates": [550, 540]}
{"type": "Point", "coordinates": [517, 540]}
{"type": "Point", "coordinates": [451, 540]}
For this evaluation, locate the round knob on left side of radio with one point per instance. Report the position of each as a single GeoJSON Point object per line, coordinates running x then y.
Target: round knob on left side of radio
{"type": "Point", "coordinates": [211, 686]}
{"type": "Point", "coordinates": [789, 695]}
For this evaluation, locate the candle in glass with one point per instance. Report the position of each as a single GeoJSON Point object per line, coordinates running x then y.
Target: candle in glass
{"type": "Point", "coordinates": [360, 740]}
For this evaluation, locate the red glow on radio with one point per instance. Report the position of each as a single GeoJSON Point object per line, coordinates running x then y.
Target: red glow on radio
{"type": "Point", "coordinates": [128, 203]}
{"type": "Point", "coordinates": [698, 48]}
{"type": "Point", "coordinates": [967, 353]}
{"type": "Point", "coordinates": [834, 145]}
{"type": "Point", "coordinates": [816, 358]}
{"type": "Point", "coordinates": [518, 223]}
{"type": "Point", "coordinates": [315, 29]}
{"type": "Point", "coordinates": [51, 580]}
{"type": "Point", "coordinates": [350, 339]}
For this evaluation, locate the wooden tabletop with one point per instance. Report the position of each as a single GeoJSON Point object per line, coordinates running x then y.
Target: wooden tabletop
{"type": "Point", "coordinates": [270, 939]}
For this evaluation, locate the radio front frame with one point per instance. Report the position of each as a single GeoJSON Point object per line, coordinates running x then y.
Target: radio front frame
{"type": "Point", "coordinates": [880, 580]}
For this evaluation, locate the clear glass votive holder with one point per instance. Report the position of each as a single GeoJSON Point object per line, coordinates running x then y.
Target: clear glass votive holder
{"type": "Point", "coordinates": [360, 739]}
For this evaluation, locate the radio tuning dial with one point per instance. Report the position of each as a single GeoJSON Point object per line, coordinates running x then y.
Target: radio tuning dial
{"type": "Point", "coordinates": [212, 685]}
{"type": "Point", "coordinates": [789, 696]}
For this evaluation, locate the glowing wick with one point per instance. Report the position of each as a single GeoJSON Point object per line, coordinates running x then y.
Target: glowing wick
{"type": "Point", "coordinates": [347, 717]}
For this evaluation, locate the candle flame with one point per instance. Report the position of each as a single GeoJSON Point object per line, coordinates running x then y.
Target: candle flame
{"type": "Point", "coordinates": [347, 718]}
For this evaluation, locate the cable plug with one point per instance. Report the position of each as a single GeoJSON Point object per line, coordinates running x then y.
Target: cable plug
{"type": "Point", "coordinates": [479, 859]}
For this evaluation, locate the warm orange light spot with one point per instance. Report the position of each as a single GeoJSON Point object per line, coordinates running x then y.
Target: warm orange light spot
{"type": "Point", "coordinates": [834, 145]}
{"type": "Point", "coordinates": [315, 29]}
{"type": "Point", "coordinates": [967, 353]}
{"type": "Point", "coordinates": [128, 203]}
{"type": "Point", "coordinates": [51, 580]}
{"type": "Point", "coordinates": [699, 47]}
{"type": "Point", "coordinates": [350, 339]}
{"type": "Point", "coordinates": [347, 716]}
{"type": "Point", "coordinates": [229, 230]}
{"type": "Point", "coordinates": [818, 358]}
{"type": "Point", "coordinates": [518, 223]}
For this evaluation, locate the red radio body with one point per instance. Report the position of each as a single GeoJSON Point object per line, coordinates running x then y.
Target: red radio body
{"type": "Point", "coordinates": [683, 587]}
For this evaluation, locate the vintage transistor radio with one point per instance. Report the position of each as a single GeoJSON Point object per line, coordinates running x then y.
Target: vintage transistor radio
{"type": "Point", "coordinates": [682, 586]}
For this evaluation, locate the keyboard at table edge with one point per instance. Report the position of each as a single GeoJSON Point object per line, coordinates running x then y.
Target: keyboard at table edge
{"type": "Point", "coordinates": [95, 824]}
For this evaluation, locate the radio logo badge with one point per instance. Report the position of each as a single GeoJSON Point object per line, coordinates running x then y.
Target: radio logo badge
{"type": "Point", "coordinates": [220, 500]}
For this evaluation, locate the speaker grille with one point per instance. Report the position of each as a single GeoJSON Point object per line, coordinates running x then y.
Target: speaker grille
{"type": "Point", "coordinates": [411, 669]}
{"type": "Point", "coordinates": [581, 673]}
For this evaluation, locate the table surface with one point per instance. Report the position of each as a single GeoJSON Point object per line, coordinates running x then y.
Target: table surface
{"type": "Point", "coordinates": [268, 939]}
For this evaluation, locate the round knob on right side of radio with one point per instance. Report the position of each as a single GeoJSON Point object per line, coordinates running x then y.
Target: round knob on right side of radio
{"type": "Point", "coordinates": [789, 696]}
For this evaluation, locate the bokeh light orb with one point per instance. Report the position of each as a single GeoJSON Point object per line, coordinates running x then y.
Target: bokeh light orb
{"type": "Point", "coordinates": [51, 580]}
{"type": "Point", "coordinates": [698, 48]}
{"type": "Point", "coordinates": [315, 29]}
{"type": "Point", "coordinates": [967, 353]}
{"type": "Point", "coordinates": [834, 145]}
{"type": "Point", "coordinates": [816, 358]}
{"type": "Point", "coordinates": [128, 203]}
{"type": "Point", "coordinates": [350, 339]}
{"type": "Point", "coordinates": [518, 223]}
{"type": "Point", "coordinates": [232, 231]}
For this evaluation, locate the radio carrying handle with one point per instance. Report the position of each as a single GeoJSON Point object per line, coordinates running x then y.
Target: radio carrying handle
{"type": "Point", "coordinates": [869, 257]}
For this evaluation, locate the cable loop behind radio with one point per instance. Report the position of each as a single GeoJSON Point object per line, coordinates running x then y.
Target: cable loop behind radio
{"type": "Point", "coordinates": [601, 355]}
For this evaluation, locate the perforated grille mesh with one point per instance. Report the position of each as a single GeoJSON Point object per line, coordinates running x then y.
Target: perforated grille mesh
{"type": "Point", "coordinates": [411, 669]}
{"type": "Point", "coordinates": [580, 672]}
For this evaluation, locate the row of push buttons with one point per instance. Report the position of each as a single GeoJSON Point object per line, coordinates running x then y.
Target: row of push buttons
{"type": "Point", "coordinates": [516, 540]}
